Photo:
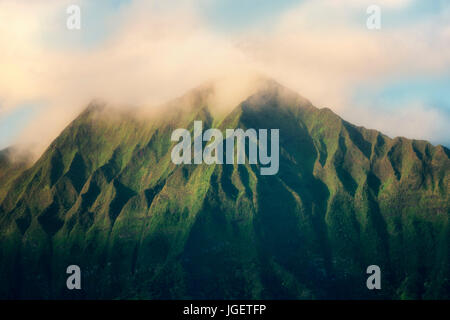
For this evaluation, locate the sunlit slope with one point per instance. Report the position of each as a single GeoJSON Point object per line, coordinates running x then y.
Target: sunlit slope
{"type": "Point", "coordinates": [106, 196]}
{"type": "Point", "coordinates": [12, 165]}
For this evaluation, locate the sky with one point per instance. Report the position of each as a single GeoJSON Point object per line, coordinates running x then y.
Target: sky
{"type": "Point", "coordinates": [133, 52]}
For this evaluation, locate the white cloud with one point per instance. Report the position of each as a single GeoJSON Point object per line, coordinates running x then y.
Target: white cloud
{"type": "Point", "coordinates": [158, 51]}
{"type": "Point", "coordinates": [156, 54]}
{"type": "Point", "coordinates": [416, 121]}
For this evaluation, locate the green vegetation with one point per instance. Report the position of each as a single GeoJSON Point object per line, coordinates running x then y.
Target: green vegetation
{"type": "Point", "coordinates": [106, 196]}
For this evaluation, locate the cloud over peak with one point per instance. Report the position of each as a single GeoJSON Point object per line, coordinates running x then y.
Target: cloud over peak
{"type": "Point", "coordinates": [151, 52]}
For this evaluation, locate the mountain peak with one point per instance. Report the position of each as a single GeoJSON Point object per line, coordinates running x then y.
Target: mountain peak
{"type": "Point", "coordinates": [228, 92]}
{"type": "Point", "coordinates": [106, 196]}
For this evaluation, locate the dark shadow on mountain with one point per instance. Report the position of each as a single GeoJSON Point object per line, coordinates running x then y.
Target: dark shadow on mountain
{"type": "Point", "coordinates": [123, 194]}
{"type": "Point", "coordinates": [77, 172]}
{"type": "Point", "coordinates": [50, 220]}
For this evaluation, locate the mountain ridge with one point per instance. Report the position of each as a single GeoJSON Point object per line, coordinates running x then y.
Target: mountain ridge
{"type": "Point", "coordinates": [106, 196]}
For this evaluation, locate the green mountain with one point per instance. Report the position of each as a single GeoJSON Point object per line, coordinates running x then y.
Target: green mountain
{"type": "Point", "coordinates": [106, 196]}
{"type": "Point", "coordinates": [12, 164]}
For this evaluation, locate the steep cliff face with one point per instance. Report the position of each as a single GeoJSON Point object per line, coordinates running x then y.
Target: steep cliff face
{"type": "Point", "coordinates": [106, 196]}
{"type": "Point", "coordinates": [12, 164]}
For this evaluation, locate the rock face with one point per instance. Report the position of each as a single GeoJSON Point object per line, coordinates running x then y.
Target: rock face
{"type": "Point", "coordinates": [106, 196]}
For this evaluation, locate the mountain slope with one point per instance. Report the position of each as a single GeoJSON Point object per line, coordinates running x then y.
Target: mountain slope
{"type": "Point", "coordinates": [12, 165]}
{"type": "Point", "coordinates": [106, 196]}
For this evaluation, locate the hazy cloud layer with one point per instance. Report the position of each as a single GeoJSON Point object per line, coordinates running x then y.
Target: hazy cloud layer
{"type": "Point", "coordinates": [157, 51]}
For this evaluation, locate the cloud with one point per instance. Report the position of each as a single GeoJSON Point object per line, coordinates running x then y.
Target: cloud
{"type": "Point", "coordinates": [154, 51]}
{"type": "Point", "coordinates": [416, 121]}
{"type": "Point", "coordinates": [323, 50]}
{"type": "Point", "coordinates": [319, 49]}
{"type": "Point", "coordinates": [155, 54]}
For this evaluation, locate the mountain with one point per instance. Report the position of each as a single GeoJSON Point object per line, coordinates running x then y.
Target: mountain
{"type": "Point", "coordinates": [12, 164]}
{"type": "Point", "coordinates": [105, 196]}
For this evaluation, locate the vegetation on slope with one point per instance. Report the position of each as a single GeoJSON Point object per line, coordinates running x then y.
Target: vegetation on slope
{"type": "Point", "coordinates": [106, 196]}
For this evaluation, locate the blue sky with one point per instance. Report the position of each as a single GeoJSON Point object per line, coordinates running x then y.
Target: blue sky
{"type": "Point", "coordinates": [234, 15]}
{"type": "Point", "coordinates": [390, 93]}
{"type": "Point", "coordinates": [12, 124]}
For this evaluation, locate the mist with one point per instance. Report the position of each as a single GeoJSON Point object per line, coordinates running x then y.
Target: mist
{"type": "Point", "coordinates": [156, 52]}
